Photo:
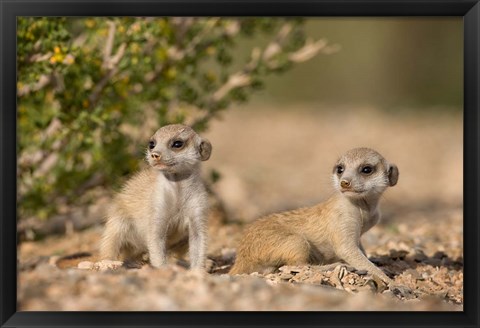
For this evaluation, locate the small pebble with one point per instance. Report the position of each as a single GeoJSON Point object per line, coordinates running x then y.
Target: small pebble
{"type": "Point", "coordinates": [85, 265]}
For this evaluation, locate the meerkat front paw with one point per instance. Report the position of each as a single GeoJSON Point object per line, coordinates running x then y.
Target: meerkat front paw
{"type": "Point", "coordinates": [157, 262]}
{"type": "Point", "coordinates": [381, 284]}
{"type": "Point", "coordinates": [401, 291]}
{"type": "Point", "coordinates": [209, 265]}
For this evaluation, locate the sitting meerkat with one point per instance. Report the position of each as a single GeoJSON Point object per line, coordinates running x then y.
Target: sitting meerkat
{"type": "Point", "coordinates": [328, 232]}
{"type": "Point", "coordinates": [162, 208]}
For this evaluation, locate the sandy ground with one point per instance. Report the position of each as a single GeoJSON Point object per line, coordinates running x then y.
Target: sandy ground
{"type": "Point", "coordinates": [272, 160]}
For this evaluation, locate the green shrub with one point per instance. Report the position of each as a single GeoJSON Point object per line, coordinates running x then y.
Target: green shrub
{"type": "Point", "coordinates": [90, 90]}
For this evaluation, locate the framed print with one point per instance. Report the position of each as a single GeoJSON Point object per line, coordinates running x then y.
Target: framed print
{"type": "Point", "coordinates": [225, 163]}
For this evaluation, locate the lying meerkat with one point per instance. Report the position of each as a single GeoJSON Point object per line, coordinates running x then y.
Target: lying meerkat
{"type": "Point", "coordinates": [162, 208]}
{"type": "Point", "coordinates": [328, 232]}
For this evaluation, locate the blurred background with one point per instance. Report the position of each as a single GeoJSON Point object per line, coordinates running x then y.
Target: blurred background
{"type": "Point", "coordinates": [389, 63]}
{"type": "Point", "coordinates": [280, 100]}
{"type": "Point", "coordinates": [396, 85]}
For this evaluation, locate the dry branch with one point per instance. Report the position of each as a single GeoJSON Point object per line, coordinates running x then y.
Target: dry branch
{"type": "Point", "coordinates": [110, 64]}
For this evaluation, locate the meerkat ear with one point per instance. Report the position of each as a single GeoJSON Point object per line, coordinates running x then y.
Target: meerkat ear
{"type": "Point", "coordinates": [393, 175]}
{"type": "Point", "coordinates": [204, 149]}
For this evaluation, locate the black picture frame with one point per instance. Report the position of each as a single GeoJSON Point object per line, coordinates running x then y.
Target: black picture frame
{"type": "Point", "coordinates": [10, 9]}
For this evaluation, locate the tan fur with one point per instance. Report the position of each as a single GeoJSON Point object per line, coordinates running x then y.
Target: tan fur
{"type": "Point", "coordinates": [325, 233]}
{"type": "Point", "coordinates": [162, 208]}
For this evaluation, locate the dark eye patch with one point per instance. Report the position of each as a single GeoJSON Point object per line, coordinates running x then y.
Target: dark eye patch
{"type": "Point", "coordinates": [178, 144]}
{"type": "Point", "coordinates": [151, 144]}
{"type": "Point", "coordinates": [367, 169]}
{"type": "Point", "coordinates": [339, 169]}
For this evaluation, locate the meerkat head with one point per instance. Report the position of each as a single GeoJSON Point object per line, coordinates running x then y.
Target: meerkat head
{"type": "Point", "coordinates": [177, 148]}
{"type": "Point", "coordinates": [362, 172]}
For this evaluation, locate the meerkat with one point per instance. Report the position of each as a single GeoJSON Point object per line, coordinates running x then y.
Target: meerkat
{"type": "Point", "coordinates": [328, 232]}
{"type": "Point", "coordinates": [164, 207]}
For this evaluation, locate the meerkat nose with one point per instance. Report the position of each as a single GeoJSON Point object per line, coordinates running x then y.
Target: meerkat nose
{"type": "Point", "coordinates": [345, 183]}
{"type": "Point", "coordinates": [155, 156]}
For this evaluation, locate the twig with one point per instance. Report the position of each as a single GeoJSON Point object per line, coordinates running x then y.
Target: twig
{"type": "Point", "coordinates": [311, 49]}
{"type": "Point", "coordinates": [196, 45]}
{"type": "Point", "coordinates": [243, 78]}
{"type": "Point", "coordinates": [42, 82]}
{"type": "Point", "coordinates": [109, 45]}
{"type": "Point", "coordinates": [236, 80]}
{"type": "Point", "coordinates": [109, 63]}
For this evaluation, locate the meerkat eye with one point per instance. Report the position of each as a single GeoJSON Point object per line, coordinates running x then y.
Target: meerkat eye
{"type": "Point", "coordinates": [177, 144]}
{"type": "Point", "coordinates": [339, 169]}
{"type": "Point", "coordinates": [151, 144]}
{"type": "Point", "coordinates": [367, 169]}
